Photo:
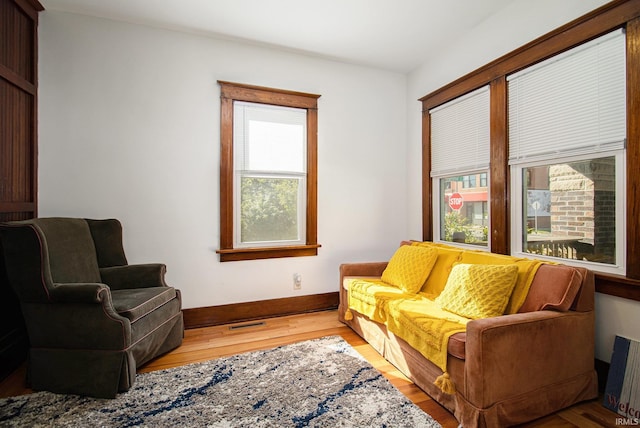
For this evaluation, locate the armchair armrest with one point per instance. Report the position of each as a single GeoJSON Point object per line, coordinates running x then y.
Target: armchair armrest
{"type": "Point", "coordinates": [134, 276]}
{"type": "Point", "coordinates": [78, 293]}
{"type": "Point", "coordinates": [79, 316]}
{"type": "Point", "coordinates": [513, 354]}
{"type": "Point", "coordinates": [362, 269]}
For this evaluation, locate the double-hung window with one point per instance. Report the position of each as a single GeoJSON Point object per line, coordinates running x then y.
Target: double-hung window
{"type": "Point", "coordinates": [269, 144]}
{"type": "Point", "coordinates": [268, 173]}
{"type": "Point", "coordinates": [567, 133]}
{"type": "Point", "coordinates": [460, 152]}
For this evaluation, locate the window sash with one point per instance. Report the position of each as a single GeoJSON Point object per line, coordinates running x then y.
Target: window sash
{"type": "Point", "coordinates": [240, 240]}
{"type": "Point", "coordinates": [518, 202]}
{"type": "Point", "coordinates": [571, 104]}
{"type": "Point", "coordinates": [460, 134]}
{"type": "Point", "coordinates": [269, 143]}
{"type": "Point", "coordinates": [440, 210]}
{"type": "Point", "coordinates": [286, 131]}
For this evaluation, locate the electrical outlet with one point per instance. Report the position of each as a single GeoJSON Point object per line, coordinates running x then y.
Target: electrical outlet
{"type": "Point", "coordinates": [297, 281]}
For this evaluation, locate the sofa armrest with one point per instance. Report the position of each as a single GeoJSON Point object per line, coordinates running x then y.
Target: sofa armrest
{"type": "Point", "coordinates": [362, 269]}
{"type": "Point", "coordinates": [134, 276]}
{"type": "Point", "coordinates": [368, 269]}
{"type": "Point", "coordinates": [514, 354]}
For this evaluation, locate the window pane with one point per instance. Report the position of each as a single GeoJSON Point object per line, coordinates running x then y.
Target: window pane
{"type": "Point", "coordinates": [275, 146]}
{"type": "Point", "coordinates": [570, 210]}
{"type": "Point", "coordinates": [464, 209]}
{"type": "Point", "coordinates": [269, 209]}
{"type": "Point", "coordinates": [269, 138]}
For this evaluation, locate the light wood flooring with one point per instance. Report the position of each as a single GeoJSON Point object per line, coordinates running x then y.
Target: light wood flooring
{"type": "Point", "coordinates": [203, 344]}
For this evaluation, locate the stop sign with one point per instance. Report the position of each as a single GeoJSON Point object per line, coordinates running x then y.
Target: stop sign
{"type": "Point", "coordinates": [455, 201]}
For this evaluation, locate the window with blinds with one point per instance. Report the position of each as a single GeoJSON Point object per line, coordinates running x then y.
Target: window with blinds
{"type": "Point", "coordinates": [460, 154]}
{"type": "Point", "coordinates": [567, 135]}
{"type": "Point", "coordinates": [270, 174]}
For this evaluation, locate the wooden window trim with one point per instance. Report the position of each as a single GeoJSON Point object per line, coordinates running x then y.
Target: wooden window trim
{"type": "Point", "coordinates": [616, 14]}
{"type": "Point", "coordinates": [230, 92]}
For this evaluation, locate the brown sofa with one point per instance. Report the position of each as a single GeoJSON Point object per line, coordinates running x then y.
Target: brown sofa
{"type": "Point", "coordinates": [508, 369]}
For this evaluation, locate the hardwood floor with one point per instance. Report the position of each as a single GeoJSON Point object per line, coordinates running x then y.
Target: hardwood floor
{"type": "Point", "coordinates": [206, 343]}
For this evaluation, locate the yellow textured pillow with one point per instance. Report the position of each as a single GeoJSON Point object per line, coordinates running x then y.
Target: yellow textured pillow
{"type": "Point", "coordinates": [478, 291]}
{"type": "Point", "coordinates": [409, 267]}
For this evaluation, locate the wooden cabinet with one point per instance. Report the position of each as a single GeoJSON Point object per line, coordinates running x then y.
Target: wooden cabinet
{"type": "Point", "coordinates": [18, 151]}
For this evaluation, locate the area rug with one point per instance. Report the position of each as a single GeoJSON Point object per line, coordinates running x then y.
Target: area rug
{"type": "Point", "coordinates": [317, 383]}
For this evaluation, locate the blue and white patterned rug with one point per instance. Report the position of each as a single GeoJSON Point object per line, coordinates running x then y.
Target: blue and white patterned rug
{"type": "Point", "coordinates": [317, 383]}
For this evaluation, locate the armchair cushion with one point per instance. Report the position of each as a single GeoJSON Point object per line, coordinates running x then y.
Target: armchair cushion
{"type": "Point", "coordinates": [136, 303]}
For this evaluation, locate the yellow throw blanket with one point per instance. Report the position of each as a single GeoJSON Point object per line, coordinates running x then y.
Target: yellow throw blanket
{"type": "Point", "coordinates": [414, 318]}
{"type": "Point", "coordinates": [427, 328]}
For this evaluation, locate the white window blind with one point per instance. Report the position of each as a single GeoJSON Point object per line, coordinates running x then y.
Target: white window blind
{"type": "Point", "coordinates": [460, 134]}
{"type": "Point", "coordinates": [269, 138]}
{"type": "Point", "coordinates": [571, 104]}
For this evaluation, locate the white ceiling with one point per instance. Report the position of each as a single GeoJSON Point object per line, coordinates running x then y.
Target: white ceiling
{"type": "Point", "coordinates": [397, 35]}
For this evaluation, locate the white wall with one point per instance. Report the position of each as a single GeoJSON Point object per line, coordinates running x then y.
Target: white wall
{"type": "Point", "coordinates": [129, 128]}
{"type": "Point", "coordinates": [519, 23]}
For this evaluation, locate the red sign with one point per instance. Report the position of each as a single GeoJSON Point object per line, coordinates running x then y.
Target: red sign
{"type": "Point", "coordinates": [455, 201]}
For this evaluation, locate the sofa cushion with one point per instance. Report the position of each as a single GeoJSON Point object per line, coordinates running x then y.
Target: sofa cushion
{"type": "Point", "coordinates": [409, 267]}
{"type": "Point", "coordinates": [478, 291]}
{"type": "Point", "coordinates": [554, 288]}
{"type": "Point", "coordinates": [437, 279]}
{"type": "Point", "coordinates": [136, 303]}
{"type": "Point", "coordinates": [457, 345]}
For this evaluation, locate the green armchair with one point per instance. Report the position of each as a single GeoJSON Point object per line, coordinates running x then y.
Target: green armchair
{"type": "Point", "coordinates": [91, 318]}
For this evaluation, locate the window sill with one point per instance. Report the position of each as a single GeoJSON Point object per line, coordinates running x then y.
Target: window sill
{"type": "Point", "coordinates": [236, 254]}
{"type": "Point", "coordinates": [616, 285]}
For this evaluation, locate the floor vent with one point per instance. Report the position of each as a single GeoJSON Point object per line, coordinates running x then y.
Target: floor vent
{"type": "Point", "coordinates": [249, 325]}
